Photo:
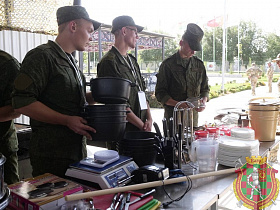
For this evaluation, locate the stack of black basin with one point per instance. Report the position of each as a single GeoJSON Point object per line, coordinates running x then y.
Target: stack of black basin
{"type": "Point", "coordinates": [109, 121]}
{"type": "Point", "coordinates": [139, 145]}
{"type": "Point", "coordinates": [108, 117]}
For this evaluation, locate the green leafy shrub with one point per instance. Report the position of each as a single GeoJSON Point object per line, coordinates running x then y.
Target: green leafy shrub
{"type": "Point", "coordinates": [153, 100]}
{"type": "Point", "coordinates": [275, 79]}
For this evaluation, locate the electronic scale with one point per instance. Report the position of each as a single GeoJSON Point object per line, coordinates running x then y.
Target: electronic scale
{"type": "Point", "coordinates": [108, 176]}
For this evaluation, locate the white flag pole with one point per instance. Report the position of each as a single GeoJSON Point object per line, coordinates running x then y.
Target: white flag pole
{"type": "Point", "coordinates": [224, 48]}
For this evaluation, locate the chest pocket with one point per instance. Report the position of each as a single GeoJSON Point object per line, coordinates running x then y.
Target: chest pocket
{"type": "Point", "coordinates": [62, 84]}
{"type": "Point", "coordinates": [126, 72]}
{"type": "Point", "coordinates": [178, 79]}
{"type": "Point", "coordinates": [194, 79]}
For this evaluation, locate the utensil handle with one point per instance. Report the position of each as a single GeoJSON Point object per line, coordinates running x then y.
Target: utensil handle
{"type": "Point", "coordinates": [127, 200]}
{"type": "Point", "coordinates": [180, 146]}
{"type": "Point", "coordinates": [146, 185]}
{"type": "Point", "coordinates": [147, 194]}
{"type": "Point", "coordinates": [164, 123]}
{"type": "Point", "coordinates": [171, 127]}
{"type": "Point", "coordinates": [157, 130]}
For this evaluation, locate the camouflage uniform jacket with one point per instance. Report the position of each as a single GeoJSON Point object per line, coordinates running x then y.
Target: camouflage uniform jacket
{"type": "Point", "coordinates": [179, 83]}
{"type": "Point", "coordinates": [113, 64]}
{"type": "Point", "coordinates": [48, 76]}
{"type": "Point", "coordinates": [8, 72]}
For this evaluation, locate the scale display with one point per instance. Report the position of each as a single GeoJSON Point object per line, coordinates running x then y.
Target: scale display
{"type": "Point", "coordinates": [107, 177]}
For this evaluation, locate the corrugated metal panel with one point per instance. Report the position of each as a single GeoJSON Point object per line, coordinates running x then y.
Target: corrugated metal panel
{"type": "Point", "coordinates": [18, 44]}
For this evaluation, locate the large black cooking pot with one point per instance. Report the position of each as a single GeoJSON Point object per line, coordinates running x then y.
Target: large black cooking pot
{"type": "Point", "coordinates": [135, 143]}
{"type": "Point", "coordinates": [110, 90]}
{"type": "Point", "coordinates": [108, 131]}
{"type": "Point", "coordinates": [106, 119]}
{"type": "Point", "coordinates": [142, 158]}
{"type": "Point", "coordinates": [131, 135]}
{"type": "Point", "coordinates": [140, 146]}
{"type": "Point", "coordinates": [97, 108]}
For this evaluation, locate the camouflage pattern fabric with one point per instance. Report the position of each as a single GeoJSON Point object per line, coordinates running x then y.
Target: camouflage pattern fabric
{"type": "Point", "coordinates": [113, 65]}
{"type": "Point", "coordinates": [270, 72]}
{"type": "Point", "coordinates": [254, 73]}
{"type": "Point", "coordinates": [47, 76]}
{"type": "Point", "coordinates": [8, 138]}
{"type": "Point", "coordinates": [177, 81]}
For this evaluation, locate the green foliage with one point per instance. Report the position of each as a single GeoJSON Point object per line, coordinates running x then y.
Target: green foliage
{"type": "Point", "coordinates": [273, 47]}
{"type": "Point", "coordinates": [275, 79]}
{"type": "Point", "coordinates": [215, 91]}
{"type": "Point", "coordinates": [260, 83]}
{"type": "Point", "coordinates": [150, 55]}
{"type": "Point", "coordinates": [255, 46]}
{"type": "Point", "coordinates": [233, 87]}
{"type": "Point", "coordinates": [153, 100]}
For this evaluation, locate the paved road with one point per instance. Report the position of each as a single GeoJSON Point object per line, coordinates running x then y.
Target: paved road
{"type": "Point", "coordinates": [233, 100]}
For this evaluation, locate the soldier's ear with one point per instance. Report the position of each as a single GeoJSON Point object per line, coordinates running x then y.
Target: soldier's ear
{"type": "Point", "coordinates": [72, 25]}
{"type": "Point", "coordinates": [181, 42]}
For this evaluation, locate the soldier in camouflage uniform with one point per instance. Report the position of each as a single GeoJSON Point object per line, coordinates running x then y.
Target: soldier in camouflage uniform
{"type": "Point", "coordinates": [277, 61]}
{"type": "Point", "coordinates": [269, 74]}
{"type": "Point", "coordinates": [182, 76]}
{"type": "Point", "coordinates": [50, 89]}
{"type": "Point", "coordinates": [118, 63]}
{"type": "Point", "coordinates": [254, 73]}
{"type": "Point", "coordinates": [9, 68]}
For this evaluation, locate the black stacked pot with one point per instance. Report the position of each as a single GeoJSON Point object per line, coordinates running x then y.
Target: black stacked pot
{"type": "Point", "coordinates": [109, 121]}
{"type": "Point", "coordinates": [108, 118]}
{"type": "Point", "coordinates": [139, 145]}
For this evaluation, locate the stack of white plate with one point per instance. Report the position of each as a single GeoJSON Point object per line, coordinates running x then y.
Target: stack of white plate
{"type": "Point", "coordinates": [231, 149]}
{"type": "Point", "coordinates": [243, 133]}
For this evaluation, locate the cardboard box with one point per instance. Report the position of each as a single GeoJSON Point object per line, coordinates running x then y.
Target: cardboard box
{"type": "Point", "coordinates": [22, 200]}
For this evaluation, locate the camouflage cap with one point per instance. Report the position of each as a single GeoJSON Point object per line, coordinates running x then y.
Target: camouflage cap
{"type": "Point", "coordinates": [193, 35]}
{"type": "Point", "coordinates": [123, 21]}
{"type": "Point", "coordinates": [68, 13]}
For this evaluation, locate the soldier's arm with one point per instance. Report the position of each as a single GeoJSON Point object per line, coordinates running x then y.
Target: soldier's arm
{"type": "Point", "coordinates": [41, 112]}
{"type": "Point", "coordinates": [8, 113]}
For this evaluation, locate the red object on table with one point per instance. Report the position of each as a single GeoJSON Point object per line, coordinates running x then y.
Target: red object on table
{"type": "Point", "coordinates": [225, 131]}
{"type": "Point", "coordinates": [214, 132]}
{"type": "Point", "coordinates": [201, 134]}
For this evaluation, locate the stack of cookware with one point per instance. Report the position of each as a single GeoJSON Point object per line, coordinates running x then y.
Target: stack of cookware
{"type": "Point", "coordinates": [108, 117]}
{"type": "Point", "coordinates": [140, 145]}
{"type": "Point", "coordinates": [4, 190]}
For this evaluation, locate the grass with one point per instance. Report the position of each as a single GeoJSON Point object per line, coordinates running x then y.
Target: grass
{"type": "Point", "coordinates": [233, 87]}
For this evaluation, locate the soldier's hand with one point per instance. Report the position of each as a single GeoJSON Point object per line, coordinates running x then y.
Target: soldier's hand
{"type": "Point", "coordinates": [78, 125]}
{"type": "Point", "coordinates": [183, 106]}
{"type": "Point", "coordinates": [148, 125]}
{"type": "Point", "coordinates": [200, 109]}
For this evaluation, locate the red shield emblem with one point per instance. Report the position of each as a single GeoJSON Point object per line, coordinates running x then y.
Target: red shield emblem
{"type": "Point", "coordinates": [256, 186]}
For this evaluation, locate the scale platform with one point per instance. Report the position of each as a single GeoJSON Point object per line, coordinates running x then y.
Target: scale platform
{"type": "Point", "coordinates": [108, 176]}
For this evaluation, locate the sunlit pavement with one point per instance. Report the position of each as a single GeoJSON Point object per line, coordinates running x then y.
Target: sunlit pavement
{"type": "Point", "coordinates": [233, 100]}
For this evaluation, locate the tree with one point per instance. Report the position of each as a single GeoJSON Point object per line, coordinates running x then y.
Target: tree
{"type": "Point", "coordinates": [155, 55]}
{"type": "Point", "coordinates": [253, 42]}
{"type": "Point", "coordinates": [273, 47]}
{"type": "Point", "coordinates": [207, 44]}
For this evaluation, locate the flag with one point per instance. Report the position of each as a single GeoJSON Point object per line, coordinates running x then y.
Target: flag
{"type": "Point", "coordinates": [216, 22]}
